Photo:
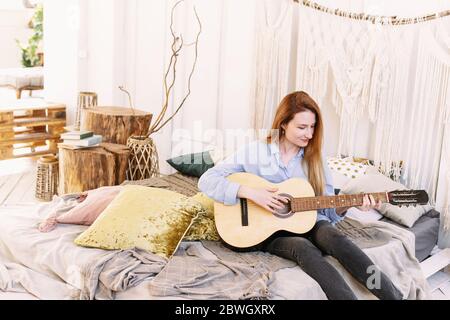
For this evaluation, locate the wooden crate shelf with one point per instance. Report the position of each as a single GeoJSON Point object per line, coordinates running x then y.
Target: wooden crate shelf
{"type": "Point", "coordinates": [25, 126]}
{"type": "Point", "coordinates": [36, 122]}
{"type": "Point", "coordinates": [29, 137]}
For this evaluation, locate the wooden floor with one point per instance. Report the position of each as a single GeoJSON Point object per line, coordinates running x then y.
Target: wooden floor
{"type": "Point", "coordinates": [440, 284]}
{"type": "Point", "coordinates": [17, 186]}
{"type": "Point", "coordinates": [18, 181]}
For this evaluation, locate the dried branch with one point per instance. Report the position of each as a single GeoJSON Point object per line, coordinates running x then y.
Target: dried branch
{"type": "Point", "coordinates": [173, 62]}
{"type": "Point", "coordinates": [141, 131]}
{"type": "Point", "coordinates": [129, 98]}
{"type": "Point", "coordinates": [167, 90]}
{"type": "Point", "coordinates": [172, 65]}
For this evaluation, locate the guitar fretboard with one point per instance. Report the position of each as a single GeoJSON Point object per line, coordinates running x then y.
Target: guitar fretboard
{"type": "Point", "coordinates": [324, 202]}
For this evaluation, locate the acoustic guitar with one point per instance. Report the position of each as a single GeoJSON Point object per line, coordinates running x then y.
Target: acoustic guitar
{"type": "Point", "coordinates": [247, 224]}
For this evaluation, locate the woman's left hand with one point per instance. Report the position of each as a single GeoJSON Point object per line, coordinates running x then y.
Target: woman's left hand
{"type": "Point", "coordinates": [370, 203]}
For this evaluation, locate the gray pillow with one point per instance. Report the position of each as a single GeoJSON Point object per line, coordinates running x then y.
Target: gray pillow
{"type": "Point", "coordinates": [376, 182]}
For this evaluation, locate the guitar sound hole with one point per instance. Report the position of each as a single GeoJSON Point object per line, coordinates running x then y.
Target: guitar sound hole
{"type": "Point", "coordinates": [286, 211]}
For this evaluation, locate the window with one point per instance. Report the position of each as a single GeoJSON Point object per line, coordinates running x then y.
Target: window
{"type": "Point", "coordinates": [18, 4]}
{"type": "Point", "coordinates": [31, 3]}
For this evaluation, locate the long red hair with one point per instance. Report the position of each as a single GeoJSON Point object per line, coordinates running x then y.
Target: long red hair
{"type": "Point", "coordinates": [292, 104]}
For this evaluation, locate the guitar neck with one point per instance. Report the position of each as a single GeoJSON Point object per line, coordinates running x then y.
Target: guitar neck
{"type": "Point", "coordinates": [325, 202]}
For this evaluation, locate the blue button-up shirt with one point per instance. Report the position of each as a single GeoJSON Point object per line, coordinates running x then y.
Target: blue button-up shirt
{"type": "Point", "coordinates": [264, 160]}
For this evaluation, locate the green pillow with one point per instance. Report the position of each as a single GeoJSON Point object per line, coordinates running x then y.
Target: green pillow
{"type": "Point", "coordinates": [193, 164]}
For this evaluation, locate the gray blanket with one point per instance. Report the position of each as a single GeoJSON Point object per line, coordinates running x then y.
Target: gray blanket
{"type": "Point", "coordinates": [189, 274]}
{"type": "Point", "coordinates": [256, 275]}
{"type": "Point", "coordinates": [363, 235]}
{"type": "Point", "coordinates": [397, 259]}
{"type": "Point", "coordinates": [117, 272]}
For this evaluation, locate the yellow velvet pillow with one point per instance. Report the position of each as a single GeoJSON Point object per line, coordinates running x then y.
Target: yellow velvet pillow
{"type": "Point", "coordinates": [204, 226]}
{"type": "Point", "coordinates": [152, 219]}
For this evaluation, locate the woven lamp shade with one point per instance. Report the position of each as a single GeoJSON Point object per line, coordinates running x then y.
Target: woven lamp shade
{"type": "Point", "coordinates": [47, 176]}
{"type": "Point", "coordinates": [143, 161]}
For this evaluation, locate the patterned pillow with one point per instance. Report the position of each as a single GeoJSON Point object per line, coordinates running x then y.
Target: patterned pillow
{"type": "Point", "coordinates": [347, 167]}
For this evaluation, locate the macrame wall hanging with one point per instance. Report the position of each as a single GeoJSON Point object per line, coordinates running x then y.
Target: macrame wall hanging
{"type": "Point", "coordinates": [392, 71]}
{"type": "Point", "coordinates": [272, 59]}
{"type": "Point", "coordinates": [312, 57]}
{"type": "Point", "coordinates": [388, 98]}
{"type": "Point", "coordinates": [332, 47]}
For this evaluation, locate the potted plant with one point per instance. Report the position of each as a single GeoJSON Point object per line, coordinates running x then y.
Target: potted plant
{"type": "Point", "coordinates": [31, 55]}
{"type": "Point", "coordinates": [143, 160]}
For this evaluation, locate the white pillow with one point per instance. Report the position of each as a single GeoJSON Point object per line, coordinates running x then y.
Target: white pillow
{"type": "Point", "coordinates": [376, 182]}
{"type": "Point", "coordinates": [366, 216]}
{"type": "Point", "coordinates": [339, 180]}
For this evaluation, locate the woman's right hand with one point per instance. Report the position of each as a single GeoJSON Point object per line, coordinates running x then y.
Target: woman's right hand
{"type": "Point", "coordinates": [264, 197]}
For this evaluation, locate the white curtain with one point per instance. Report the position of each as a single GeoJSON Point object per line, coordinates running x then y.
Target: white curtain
{"type": "Point", "coordinates": [429, 107]}
{"type": "Point", "coordinates": [432, 94]}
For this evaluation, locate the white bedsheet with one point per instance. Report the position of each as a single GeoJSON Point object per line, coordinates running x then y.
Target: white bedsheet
{"type": "Point", "coordinates": [35, 260]}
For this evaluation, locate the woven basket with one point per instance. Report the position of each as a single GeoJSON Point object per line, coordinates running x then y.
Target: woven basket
{"type": "Point", "coordinates": [47, 178]}
{"type": "Point", "coordinates": [143, 161]}
{"type": "Point", "coordinates": [85, 100]}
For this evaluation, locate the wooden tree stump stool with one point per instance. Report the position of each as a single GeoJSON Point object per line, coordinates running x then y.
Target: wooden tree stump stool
{"type": "Point", "coordinates": [116, 124]}
{"type": "Point", "coordinates": [91, 168]}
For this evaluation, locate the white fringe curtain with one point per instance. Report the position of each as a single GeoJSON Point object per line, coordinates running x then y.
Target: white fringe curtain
{"type": "Point", "coordinates": [312, 56]}
{"type": "Point", "coordinates": [431, 113]}
{"type": "Point", "coordinates": [396, 76]}
{"type": "Point", "coordinates": [428, 109]}
{"type": "Point", "coordinates": [272, 58]}
{"type": "Point", "coordinates": [387, 98]}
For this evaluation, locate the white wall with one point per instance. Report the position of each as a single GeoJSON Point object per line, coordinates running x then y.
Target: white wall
{"type": "Point", "coordinates": [62, 53]}
{"type": "Point", "coordinates": [13, 25]}
{"type": "Point", "coordinates": [118, 42]}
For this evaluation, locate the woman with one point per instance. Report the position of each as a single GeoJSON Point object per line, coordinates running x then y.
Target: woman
{"type": "Point", "coordinates": [296, 152]}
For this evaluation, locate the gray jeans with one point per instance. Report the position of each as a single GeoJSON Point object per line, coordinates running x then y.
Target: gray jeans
{"type": "Point", "coordinates": [308, 251]}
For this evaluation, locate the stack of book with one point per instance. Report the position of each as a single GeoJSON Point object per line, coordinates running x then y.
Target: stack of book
{"type": "Point", "coordinates": [80, 139]}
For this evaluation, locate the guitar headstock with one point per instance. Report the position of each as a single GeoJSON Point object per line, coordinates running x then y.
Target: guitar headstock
{"type": "Point", "coordinates": [408, 197]}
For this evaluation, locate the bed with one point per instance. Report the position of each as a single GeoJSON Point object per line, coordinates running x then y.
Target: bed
{"type": "Point", "coordinates": [51, 266]}
{"type": "Point", "coordinates": [425, 230]}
